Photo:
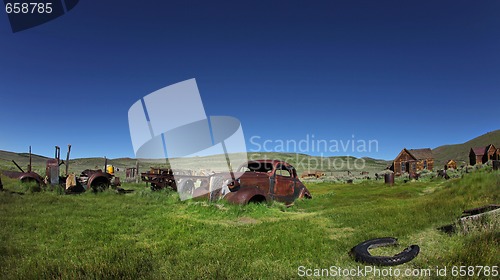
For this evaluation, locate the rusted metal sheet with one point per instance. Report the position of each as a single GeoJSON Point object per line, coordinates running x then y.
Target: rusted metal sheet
{"type": "Point", "coordinates": [52, 171]}
{"type": "Point", "coordinates": [247, 195]}
{"type": "Point", "coordinates": [12, 174]}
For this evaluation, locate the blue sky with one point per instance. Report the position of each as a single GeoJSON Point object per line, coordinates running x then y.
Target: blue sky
{"type": "Point", "coordinates": [406, 73]}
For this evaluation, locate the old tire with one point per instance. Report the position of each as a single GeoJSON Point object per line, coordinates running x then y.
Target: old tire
{"type": "Point", "coordinates": [361, 253]}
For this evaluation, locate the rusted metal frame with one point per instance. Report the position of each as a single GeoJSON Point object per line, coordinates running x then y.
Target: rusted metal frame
{"type": "Point", "coordinates": [18, 167]}
{"type": "Point", "coordinates": [67, 160]}
{"type": "Point", "coordinates": [29, 166]}
{"type": "Point", "coordinates": [58, 155]}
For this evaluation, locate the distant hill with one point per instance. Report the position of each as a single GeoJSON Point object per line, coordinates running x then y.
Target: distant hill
{"type": "Point", "coordinates": [460, 152]}
{"type": "Point", "coordinates": [338, 164]}
{"type": "Point", "coordinates": [22, 159]}
{"type": "Point", "coordinates": [302, 162]}
{"type": "Point", "coordinates": [9, 156]}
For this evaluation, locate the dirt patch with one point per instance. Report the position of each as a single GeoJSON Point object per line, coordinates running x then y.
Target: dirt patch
{"type": "Point", "coordinates": [247, 220]}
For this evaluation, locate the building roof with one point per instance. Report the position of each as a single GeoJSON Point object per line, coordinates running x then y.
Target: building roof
{"type": "Point", "coordinates": [421, 153]}
{"type": "Point", "coordinates": [479, 151]}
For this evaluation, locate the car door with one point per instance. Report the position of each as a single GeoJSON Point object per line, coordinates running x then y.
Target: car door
{"type": "Point", "coordinates": [284, 183]}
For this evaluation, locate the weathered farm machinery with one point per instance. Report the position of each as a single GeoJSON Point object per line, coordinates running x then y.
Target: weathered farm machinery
{"type": "Point", "coordinates": [25, 177]}
{"type": "Point", "coordinates": [95, 180]}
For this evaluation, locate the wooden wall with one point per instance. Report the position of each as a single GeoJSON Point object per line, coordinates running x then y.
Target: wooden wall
{"type": "Point", "coordinates": [404, 156]}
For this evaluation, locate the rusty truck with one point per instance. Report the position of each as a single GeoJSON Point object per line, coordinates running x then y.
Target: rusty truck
{"type": "Point", "coordinates": [256, 181]}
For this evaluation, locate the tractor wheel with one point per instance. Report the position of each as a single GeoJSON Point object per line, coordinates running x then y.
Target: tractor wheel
{"type": "Point", "coordinates": [100, 185]}
{"type": "Point", "coordinates": [32, 184]}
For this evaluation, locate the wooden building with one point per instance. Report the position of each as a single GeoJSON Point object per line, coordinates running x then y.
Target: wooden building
{"type": "Point", "coordinates": [451, 164]}
{"type": "Point", "coordinates": [480, 155]}
{"type": "Point", "coordinates": [412, 161]}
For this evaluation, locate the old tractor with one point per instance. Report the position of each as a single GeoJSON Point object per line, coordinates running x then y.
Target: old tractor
{"type": "Point", "coordinates": [25, 177]}
{"type": "Point", "coordinates": [95, 180]}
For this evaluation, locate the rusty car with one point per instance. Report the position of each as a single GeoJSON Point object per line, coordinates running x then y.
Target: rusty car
{"type": "Point", "coordinates": [257, 181]}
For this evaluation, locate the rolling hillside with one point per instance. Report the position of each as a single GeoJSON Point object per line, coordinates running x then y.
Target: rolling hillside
{"type": "Point", "coordinates": [334, 165]}
{"type": "Point", "coordinates": [21, 157]}
{"type": "Point", "coordinates": [460, 152]}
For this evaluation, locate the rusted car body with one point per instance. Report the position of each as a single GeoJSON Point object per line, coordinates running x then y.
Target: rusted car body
{"type": "Point", "coordinates": [258, 181]}
{"type": "Point", "coordinates": [266, 180]}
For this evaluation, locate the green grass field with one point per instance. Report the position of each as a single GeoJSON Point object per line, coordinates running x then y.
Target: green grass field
{"type": "Point", "coordinates": [146, 235]}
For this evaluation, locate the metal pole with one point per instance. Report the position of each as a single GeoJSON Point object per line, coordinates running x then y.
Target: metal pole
{"type": "Point", "coordinates": [29, 166]}
{"type": "Point", "coordinates": [19, 167]}
{"type": "Point", "coordinates": [67, 159]}
{"type": "Point", "coordinates": [137, 176]}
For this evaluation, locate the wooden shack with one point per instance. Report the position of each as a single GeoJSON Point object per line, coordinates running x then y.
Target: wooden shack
{"type": "Point", "coordinates": [480, 155]}
{"type": "Point", "coordinates": [412, 161]}
{"type": "Point", "coordinates": [450, 164]}
{"type": "Point", "coordinates": [316, 174]}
